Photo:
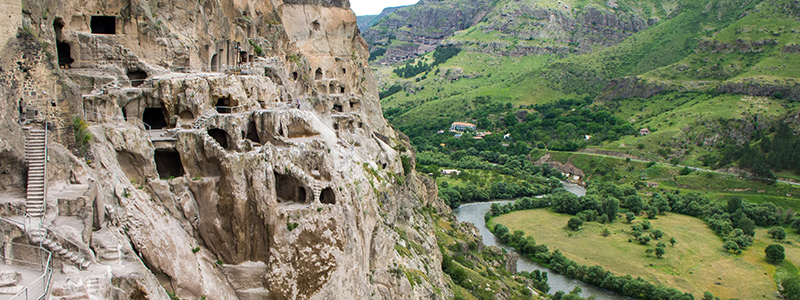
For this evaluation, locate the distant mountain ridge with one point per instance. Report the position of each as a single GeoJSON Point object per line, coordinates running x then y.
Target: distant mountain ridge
{"type": "Point", "coordinates": [512, 27]}
{"type": "Point", "coordinates": [365, 22]}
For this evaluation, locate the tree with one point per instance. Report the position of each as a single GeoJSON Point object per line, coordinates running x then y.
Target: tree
{"type": "Point", "coordinates": [605, 232]}
{"type": "Point", "coordinates": [731, 246]}
{"type": "Point", "coordinates": [652, 212]}
{"type": "Point", "coordinates": [734, 204]}
{"type": "Point", "coordinates": [646, 225]}
{"type": "Point", "coordinates": [777, 233]}
{"type": "Point", "coordinates": [657, 234]}
{"type": "Point", "coordinates": [643, 240]}
{"type": "Point", "coordinates": [774, 253]}
{"type": "Point", "coordinates": [648, 251]}
{"type": "Point", "coordinates": [672, 241]}
{"type": "Point", "coordinates": [660, 252]}
{"type": "Point", "coordinates": [574, 223]}
{"type": "Point", "coordinates": [630, 217]}
{"type": "Point", "coordinates": [748, 226]}
{"type": "Point", "coordinates": [685, 171]}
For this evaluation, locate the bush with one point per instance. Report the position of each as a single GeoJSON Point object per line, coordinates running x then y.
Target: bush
{"type": "Point", "coordinates": [774, 253]}
{"type": "Point", "coordinates": [575, 223]}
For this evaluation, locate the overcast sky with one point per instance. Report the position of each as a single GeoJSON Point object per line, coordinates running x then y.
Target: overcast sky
{"type": "Point", "coordinates": [374, 7]}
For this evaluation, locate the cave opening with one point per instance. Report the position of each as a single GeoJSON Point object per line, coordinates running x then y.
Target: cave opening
{"type": "Point", "coordinates": [327, 196]}
{"type": "Point", "coordinates": [295, 75]}
{"type": "Point", "coordinates": [331, 88]}
{"type": "Point", "coordinates": [318, 74]}
{"type": "Point", "coordinates": [252, 133]}
{"type": "Point", "coordinates": [136, 77]}
{"type": "Point", "coordinates": [341, 90]}
{"type": "Point", "coordinates": [168, 164]}
{"type": "Point", "coordinates": [220, 136]}
{"type": "Point", "coordinates": [344, 71]}
{"type": "Point", "coordinates": [62, 47]}
{"type": "Point", "coordinates": [289, 189]}
{"type": "Point", "coordinates": [224, 105]}
{"type": "Point", "coordinates": [338, 107]}
{"type": "Point", "coordinates": [154, 117]}
{"type": "Point", "coordinates": [104, 24]}
{"type": "Point", "coordinates": [316, 25]}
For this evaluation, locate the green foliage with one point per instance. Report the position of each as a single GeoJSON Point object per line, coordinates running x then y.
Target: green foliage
{"type": "Point", "coordinates": [630, 217]}
{"type": "Point", "coordinates": [774, 253]}
{"type": "Point", "coordinates": [791, 288]}
{"type": "Point", "coordinates": [777, 233]}
{"type": "Point", "coordinates": [660, 252]}
{"type": "Point", "coordinates": [195, 249]}
{"type": "Point", "coordinates": [291, 225]}
{"type": "Point", "coordinates": [390, 91]}
{"type": "Point", "coordinates": [407, 167]}
{"type": "Point", "coordinates": [256, 47]}
{"type": "Point", "coordinates": [377, 53]}
{"type": "Point", "coordinates": [82, 134]}
{"type": "Point", "coordinates": [575, 223]}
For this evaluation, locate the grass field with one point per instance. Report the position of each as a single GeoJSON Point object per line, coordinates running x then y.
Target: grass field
{"type": "Point", "coordinates": [697, 263]}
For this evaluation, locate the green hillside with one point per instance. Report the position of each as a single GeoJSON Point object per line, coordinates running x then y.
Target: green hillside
{"type": "Point", "coordinates": [708, 74]}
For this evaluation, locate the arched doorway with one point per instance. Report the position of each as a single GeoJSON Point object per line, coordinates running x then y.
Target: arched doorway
{"type": "Point", "coordinates": [214, 63]}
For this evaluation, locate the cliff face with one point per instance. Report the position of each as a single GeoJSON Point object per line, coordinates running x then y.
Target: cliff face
{"type": "Point", "coordinates": [418, 29]}
{"type": "Point", "coordinates": [235, 150]}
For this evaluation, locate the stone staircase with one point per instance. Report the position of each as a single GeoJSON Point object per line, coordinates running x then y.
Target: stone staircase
{"type": "Point", "coordinates": [201, 121]}
{"type": "Point", "coordinates": [66, 255]}
{"type": "Point", "coordinates": [35, 156]}
{"type": "Point", "coordinates": [93, 287]}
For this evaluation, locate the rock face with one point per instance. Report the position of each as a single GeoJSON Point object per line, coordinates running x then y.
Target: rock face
{"type": "Point", "coordinates": [418, 29]}
{"type": "Point", "coordinates": [235, 150]}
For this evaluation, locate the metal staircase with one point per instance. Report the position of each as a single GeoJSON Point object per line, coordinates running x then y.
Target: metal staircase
{"type": "Point", "coordinates": [204, 118]}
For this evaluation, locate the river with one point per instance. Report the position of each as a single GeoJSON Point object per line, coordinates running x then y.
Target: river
{"type": "Point", "coordinates": [474, 212]}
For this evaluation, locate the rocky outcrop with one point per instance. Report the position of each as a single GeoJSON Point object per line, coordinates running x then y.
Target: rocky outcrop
{"type": "Point", "coordinates": [419, 28]}
{"type": "Point", "coordinates": [635, 87]}
{"type": "Point", "coordinates": [224, 150]}
{"type": "Point", "coordinates": [788, 89]}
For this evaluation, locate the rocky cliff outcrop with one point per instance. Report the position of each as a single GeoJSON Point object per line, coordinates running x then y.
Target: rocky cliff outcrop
{"type": "Point", "coordinates": [418, 29]}
{"type": "Point", "coordinates": [214, 150]}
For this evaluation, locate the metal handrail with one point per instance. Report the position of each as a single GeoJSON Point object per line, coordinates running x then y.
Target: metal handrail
{"type": "Point", "coordinates": [45, 263]}
{"type": "Point", "coordinates": [44, 195]}
{"type": "Point", "coordinates": [47, 229]}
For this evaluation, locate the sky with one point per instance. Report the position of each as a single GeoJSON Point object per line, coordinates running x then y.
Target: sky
{"type": "Point", "coordinates": [374, 7]}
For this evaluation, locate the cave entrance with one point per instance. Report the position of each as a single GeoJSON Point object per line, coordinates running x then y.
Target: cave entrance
{"type": "Point", "coordinates": [154, 117]}
{"type": "Point", "coordinates": [136, 77]}
{"type": "Point", "coordinates": [243, 56]}
{"type": "Point", "coordinates": [331, 88]}
{"type": "Point", "coordinates": [168, 164]}
{"type": "Point", "coordinates": [318, 74]}
{"type": "Point", "coordinates": [338, 107]}
{"type": "Point", "coordinates": [62, 47]}
{"type": "Point", "coordinates": [354, 104]}
{"type": "Point", "coordinates": [327, 196]}
{"type": "Point", "coordinates": [220, 136]}
{"type": "Point", "coordinates": [214, 63]}
{"type": "Point", "coordinates": [295, 76]}
{"type": "Point", "coordinates": [104, 25]}
{"type": "Point", "coordinates": [224, 105]}
{"type": "Point", "coordinates": [252, 133]}
{"type": "Point", "coordinates": [289, 189]}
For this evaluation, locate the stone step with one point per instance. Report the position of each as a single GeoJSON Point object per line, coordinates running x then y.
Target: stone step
{"type": "Point", "coordinates": [85, 264]}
